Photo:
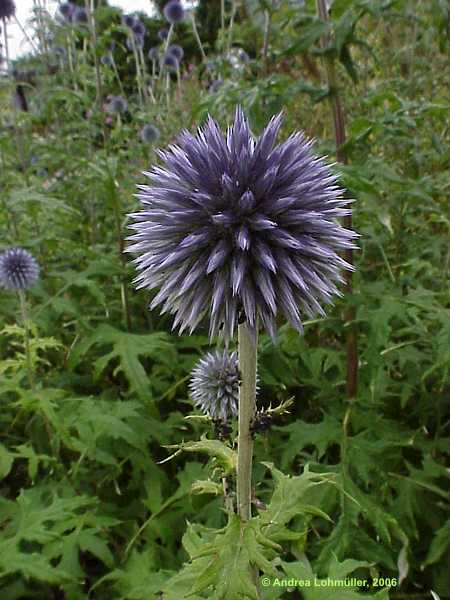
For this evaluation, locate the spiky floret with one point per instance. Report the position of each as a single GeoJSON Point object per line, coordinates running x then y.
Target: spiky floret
{"type": "Point", "coordinates": [80, 16]}
{"type": "Point", "coordinates": [163, 33]}
{"type": "Point", "coordinates": [177, 51]}
{"type": "Point", "coordinates": [170, 62]}
{"type": "Point", "coordinates": [19, 270]}
{"type": "Point", "coordinates": [153, 53]}
{"type": "Point", "coordinates": [174, 12]}
{"type": "Point", "coordinates": [67, 10]}
{"type": "Point", "coordinates": [139, 28]}
{"type": "Point", "coordinates": [116, 105]}
{"type": "Point", "coordinates": [235, 226]}
{"type": "Point", "coordinates": [149, 133]}
{"type": "Point", "coordinates": [7, 9]}
{"type": "Point", "coordinates": [214, 384]}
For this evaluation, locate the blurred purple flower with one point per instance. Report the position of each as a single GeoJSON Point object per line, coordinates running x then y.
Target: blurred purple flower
{"type": "Point", "coordinates": [174, 12]}
{"type": "Point", "coordinates": [236, 227]}
{"type": "Point", "coordinates": [149, 133]}
{"type": "Point", "coordinates": [139, 28]}
{"type": "Point", "coordinates": [170, 62]}
{"type": "Point", "coordinates": [67, 10]}
{"type": "Point", "coordinates": [214, 385]}
{"type": "Point", "coordinates": [19, 270]}
{"type": "Point", "coordinates": [163, 33]}
{"type": "Point", "coordinates": [128, 21]}
{"type": "Point", "coordinates": [116, 105]}
{"type": "Point", "coordinates": [106, 60]}
{"type": "Point", "coordinates": [136, 41]}
{"type": "Point", "coordinates": [7, 9]}
{"type": "Point", "coordinates": [153, 54]}
{"type": "Point", "coordinates": [80, 16]}
{"type": "Point", "coordinates": [176, 51]}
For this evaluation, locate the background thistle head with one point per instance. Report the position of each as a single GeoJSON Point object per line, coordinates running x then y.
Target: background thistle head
{"type": "Point", "coordinates": [19, 270]}
{"type": "Point", "coordinates": [174, 12]}
{"type": "Point", "coordinates": [214, 385]}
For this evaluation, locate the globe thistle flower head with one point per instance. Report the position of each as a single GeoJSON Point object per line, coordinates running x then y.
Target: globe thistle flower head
{"type": "Point", "coordinates": [7, 9]}
{"type": "Point", "coordinates": [139, 28]}
{"type": "Point", "coordinates": [153, 54]}
{"type": "Point", "coordinates": [19, 270]}
{"type": "Point", "coordinates": [237, 228]}
{"type": "Point", "coordinates": [67, 10]}
{"type": "Point", "coordinates": [136, 41]}
{"type": "Point", "coordinates": [149, 133]}
{"type": "Point", "coordinates": [128, 21]}
{"type": "Point", "coordinates": [80, 16]}
{"type": "Point", "coordinates": [106, 60]}
{"type": "Point", "coordinates": [214, 385]}
{"type": "Point", "coordinates": [116, 105]}
{"type": "Point", "coordinates": [174, 12]}
{"type": "Point", "coordinates": [176, 51]}
{"type": "Point", "coordinates": [170, 62]}
{"type": "Point", "coordinates": [163, 33]}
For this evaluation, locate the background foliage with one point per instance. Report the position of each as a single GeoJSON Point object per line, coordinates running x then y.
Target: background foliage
{"type": "Point", "coordinates": [86, 506]}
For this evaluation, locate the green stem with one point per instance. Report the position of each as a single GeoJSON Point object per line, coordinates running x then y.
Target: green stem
{"type": "Point", "coordinates": [197, 37]}
{"type": "Point", "coordinates": [24, 313]}
{"type": "Point", "coordinates": [93, 30]}
{"type": "Point", "coordinates": [116, 73]}
{"type": "Point", "coordinates": [247, 352]}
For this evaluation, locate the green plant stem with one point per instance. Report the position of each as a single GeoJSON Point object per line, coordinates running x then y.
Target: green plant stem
{"type": "Point", "coordinates": [92, 28]}
{"type": "Point", "coordinates": [116, 73]}
{"type": "Point", "coordinates": [265, 48]}
{"type": "Point", "coordinates": [197, 38]}
{"type": "Point", "coordinates": [230, 28]}
{"type": "Point", "coordinates": [247, 352]}
{"type": "Point", "coordinates": [339, 133]}
{"type": "Point", "coordinates": [24, 314]}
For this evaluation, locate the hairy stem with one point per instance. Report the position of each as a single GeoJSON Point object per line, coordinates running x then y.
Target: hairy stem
{"type": "Point", "coordinates": [247, 352]}
{"type": "Point", "coordinates": [339, 133]}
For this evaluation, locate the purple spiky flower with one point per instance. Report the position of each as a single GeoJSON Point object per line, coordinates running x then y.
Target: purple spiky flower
{"type": "Point", "coordinates": [116, 105]}
{"type": "Point", "coordinates": [19, 270]}
{"type": "Point", "coordinates": [139, 28]}
{"type": "Point", "coordinates": [149, 133]}
{"type": "Point", "coordinates": [106, 60]}
{"type": "Point", "coordinates": [170, 62]}
{"type": "Point", "coordinates": [80, 16]}
{"type": "Point", "coordinates": [128, 21]}
{"type": "Point", "coordinates": [214, 384]}
{"type": "Point", "coordinates": [136, 41]}
{"type": "Point", "coordinates": [67, 10]}
{"type": "Point", "coordinates": [7, 9]}
{"type": "Point", "coordinates": [236, 227]}
{"type": "Point", "coordinates": [163, 33]}
{"type": "Point", "coordinates": [153, 54]}
{"type": "Point", "coordinates": [174, 12]}
{"type": "Point", "coordinates": [176, 51]}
